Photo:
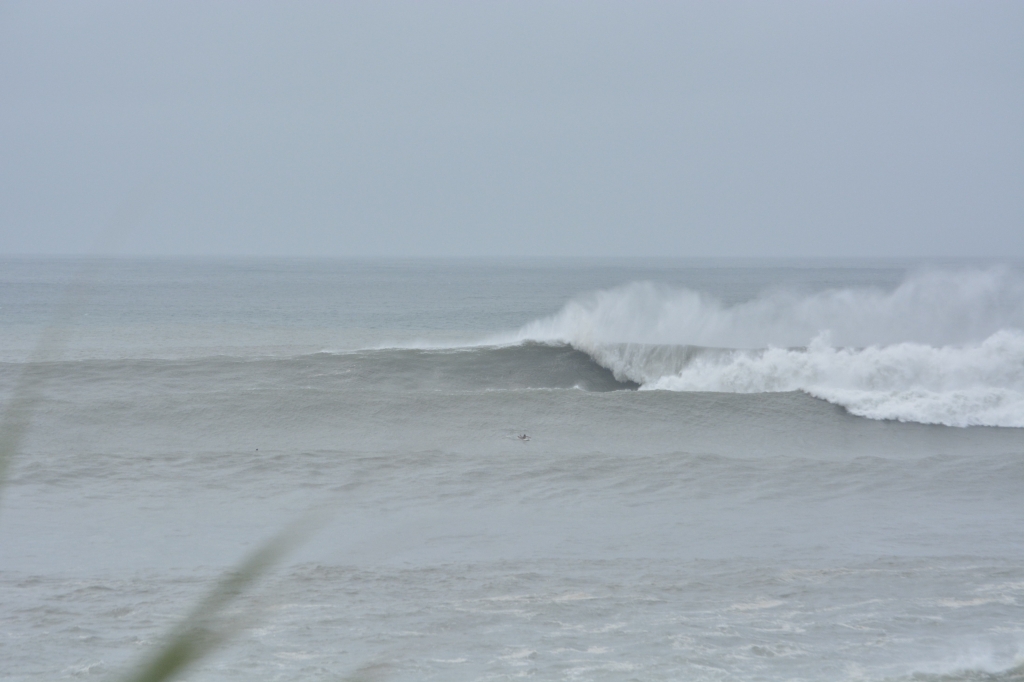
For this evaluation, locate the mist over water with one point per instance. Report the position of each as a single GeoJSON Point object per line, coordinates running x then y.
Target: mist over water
{"type": "Point", "coordinates": [801, 471]}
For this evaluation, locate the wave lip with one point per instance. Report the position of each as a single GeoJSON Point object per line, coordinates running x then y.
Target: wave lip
{"type": "Point", "coordinates": [943, 348]}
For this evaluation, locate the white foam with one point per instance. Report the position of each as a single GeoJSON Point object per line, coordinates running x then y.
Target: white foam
{"type": "Point", "coordinates": [943, 348]}
{"type": "Point", "coordinates": [977, 384]}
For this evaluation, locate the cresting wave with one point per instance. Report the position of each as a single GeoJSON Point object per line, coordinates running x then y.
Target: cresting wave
{"type": "Point", "coordinates": [942, 348]}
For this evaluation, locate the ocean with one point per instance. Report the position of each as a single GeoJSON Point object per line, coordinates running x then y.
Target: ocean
{"type": "Point", "coordinates": [554, 469]}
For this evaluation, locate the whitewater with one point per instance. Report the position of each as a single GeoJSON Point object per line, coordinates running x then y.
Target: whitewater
{"type": "Point", "coordinates": [763, 471]}
{"type": "Point", "coordinates": [942, 348]}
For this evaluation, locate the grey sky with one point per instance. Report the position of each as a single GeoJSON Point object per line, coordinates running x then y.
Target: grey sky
{"type": "Point", "coordinates": [518, 128]}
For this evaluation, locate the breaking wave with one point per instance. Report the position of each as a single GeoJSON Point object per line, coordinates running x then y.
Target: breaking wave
{"type": "Point", "coordinates": [942, 348]}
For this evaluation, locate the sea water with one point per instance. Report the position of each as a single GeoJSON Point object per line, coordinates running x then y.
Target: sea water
{"type": "Point", "coordinates": [555, 470]}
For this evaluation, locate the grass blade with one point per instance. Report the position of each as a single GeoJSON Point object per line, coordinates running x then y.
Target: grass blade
{"type": "Point", "coordinates": [208, 626]}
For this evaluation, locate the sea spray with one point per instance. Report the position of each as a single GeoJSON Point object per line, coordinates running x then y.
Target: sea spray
{"type": "Point", "coordinates": [935, 307]}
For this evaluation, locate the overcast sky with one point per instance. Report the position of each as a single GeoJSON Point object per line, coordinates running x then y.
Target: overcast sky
{"type": "Point", "coordinates": [512, 128]}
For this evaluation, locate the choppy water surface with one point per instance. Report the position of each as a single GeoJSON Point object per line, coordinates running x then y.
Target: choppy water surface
{"type": "Point", "coordinates": [735, 471]}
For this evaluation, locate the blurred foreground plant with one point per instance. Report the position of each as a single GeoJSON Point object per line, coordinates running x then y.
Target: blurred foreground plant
{"type": "Point", "coordinates": [210, 624]}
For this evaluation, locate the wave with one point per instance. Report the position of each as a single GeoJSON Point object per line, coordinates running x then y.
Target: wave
{"type": "Point", "coordinates": [942, 348]}
{"type": "Point", "coordinates": [524, 366]}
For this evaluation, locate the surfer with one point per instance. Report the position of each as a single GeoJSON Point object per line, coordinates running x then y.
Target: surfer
{"type": "Point", "coordinates": [523, 436]}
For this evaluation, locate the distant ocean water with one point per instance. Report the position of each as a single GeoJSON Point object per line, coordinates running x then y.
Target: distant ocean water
{"type": "Point", "coordinates": [799, 470]}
